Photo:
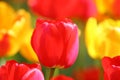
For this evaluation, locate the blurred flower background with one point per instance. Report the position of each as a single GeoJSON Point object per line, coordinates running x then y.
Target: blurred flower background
{"type": "Point", "coordinates": [98, 28]}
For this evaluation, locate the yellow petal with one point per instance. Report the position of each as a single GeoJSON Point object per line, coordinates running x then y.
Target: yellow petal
{"type": "Point", "coordinates": [102, 39]}
{"type": "Point", "coordinates": [26, 49]}
{"type": "Point", "coordinates": [18, 31]}
{"type": "Point", "coordinates": [104, 6]}
{"type": "Point", "coordinates": [15, 24]}
{"type": "Point", "coordinates": [6, 15]}
{"type": "Point", "coordinates": [100, 6]}
{"type": "Point", "coordinates": [91, 27]}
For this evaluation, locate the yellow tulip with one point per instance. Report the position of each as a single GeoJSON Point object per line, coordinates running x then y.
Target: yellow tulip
{"type": "Point", "coordinates": [15, 32]}
{"type": "Point", "coordinates": [18, 30]}
{"type": "Point", "coordinates": [26, 49]}
{"type": "Point", "coordinates": [102, 39]}
{"type": "Point", "coordinates": [7, 15]}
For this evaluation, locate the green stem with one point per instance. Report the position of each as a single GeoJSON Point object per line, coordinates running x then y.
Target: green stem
{"type": "Point", "coordinates": [49, 73]}
{"type": "Point", "coordinates": [52, 70]}
{"type": "Point", "coordinates": [2, 61]}
{"type": "Point", "coordinates": [99, 65]}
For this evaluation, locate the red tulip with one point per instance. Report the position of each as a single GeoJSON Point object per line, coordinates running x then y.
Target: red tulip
{"type": "Point", "coordinates": [63, 8]}
{"type": "Point", "coordinates": [56, 42]}
{"type": "Point", "coordinates": [87, 74]}
{"type": "Point", "coordinates": [15, 71]}
{"type": "Point", "coordinates": [116, 9]}
{"type": "Point", "coordinates": [111, 68]}
{"type": "Point", "coordinates": [85, 9]}
{"type": "Point", "coordinates": [62, 77]}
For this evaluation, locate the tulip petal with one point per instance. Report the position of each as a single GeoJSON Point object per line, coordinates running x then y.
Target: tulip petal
{"type": "Point", "coordinates": [33, 74]}
{"type": "Point", "coordinates": [62, 77]}
{"type": "Point", "coordinates": [53, 38]}
{"type": "Point", "coordinates": [3, 73]}
{"type": "Point", "coordinates": [90, 36]}
{"type": "Point", "coordinates": [26, 48]}
{"type": "Point", "coordinates": [35, 38]}
{"type": "Point", "coordinates": [71, 44]}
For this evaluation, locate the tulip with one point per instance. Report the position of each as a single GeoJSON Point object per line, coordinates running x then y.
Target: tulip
{"type": "Point", "coordinates": [115, 9]}
{"type": "Point", "coordinates": [16, 71]}
{"type": "Point", "coordinates": [102, 39]}
{"type": "Point", "coordinates": [61, 77]}
{"type": "Point", "coordinates": [59, 9]}
{"type": "Point", "coordinates": [15, 28]}
{"type": "Point", "coordinates": [111, 68]}
{"type": "Point", "coordinates": [56, 42]}
{"type": "Point", "coordinates": [18, 30]}
{"type": "Point", "coordinates": [6, 30]}
{"type": "Point", "coordinates": [85, 9]}
{"type": "Point", "coordinates": [87, 74]}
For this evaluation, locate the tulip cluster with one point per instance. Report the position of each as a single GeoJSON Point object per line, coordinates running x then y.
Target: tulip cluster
{"type": "Point", "coordinates": [39, 40]}
{"type": "Point", "coordinates": [56, 41]}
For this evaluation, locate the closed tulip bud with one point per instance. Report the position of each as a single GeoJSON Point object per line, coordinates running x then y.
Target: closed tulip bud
{"type": "Point", "coordinates": [20, 71]}
{"type": "Point", "coordinates": [12, 34]}
{"type": "Point", "coordinates": [103, 39]}
{"type": "Point", "coordinates": [87, 74]}
{"type": "Point", "coordinates": [111, 68]}
{"type": "Point", "coordinates": [62, 77]}
{"type": "Point", "coordinates": [82, 9]}
{"type": "Point", "coordinates": [56, 43]}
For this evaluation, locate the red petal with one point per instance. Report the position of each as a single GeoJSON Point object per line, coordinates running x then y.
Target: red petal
{"type": "Point", "coordinates": [62, 77]}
